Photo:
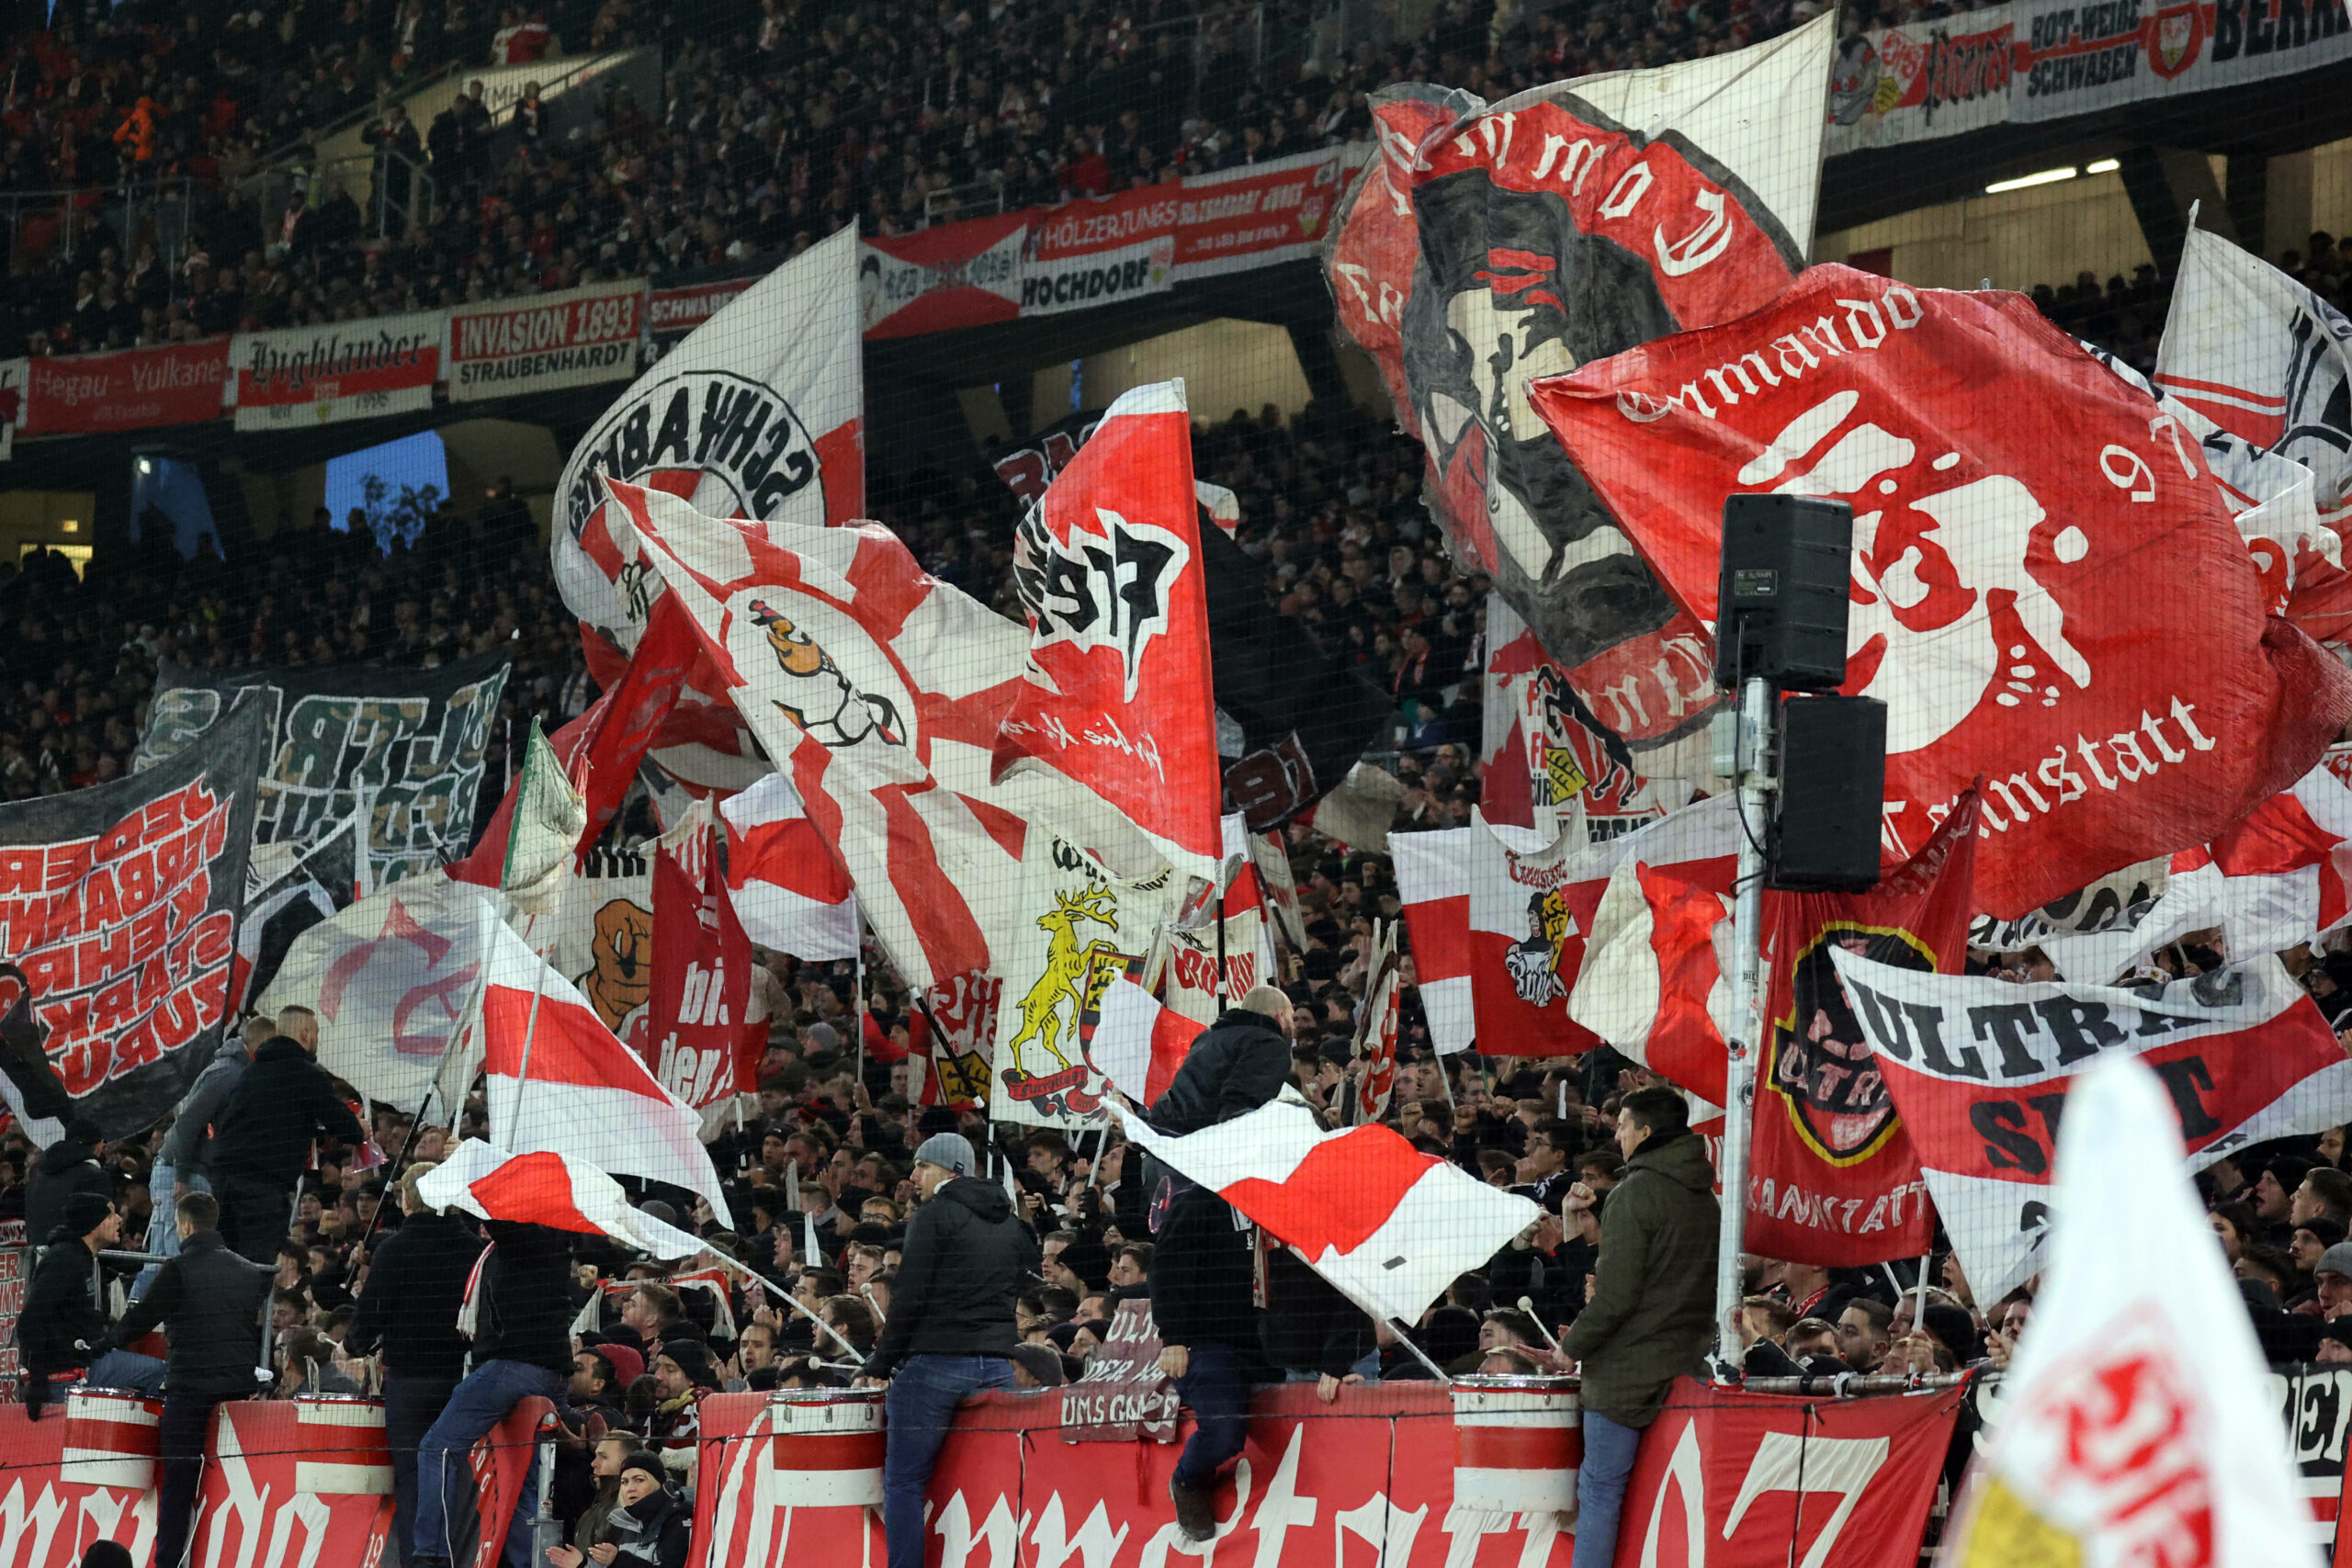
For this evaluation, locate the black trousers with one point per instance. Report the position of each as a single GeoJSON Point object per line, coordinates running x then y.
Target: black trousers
{"type": "Point", "coordinates": [256, 1215]}
{"type": "Point", "coordinates": [180, 1439]}
{"type": "Point", "coordinates": [411, 1406]}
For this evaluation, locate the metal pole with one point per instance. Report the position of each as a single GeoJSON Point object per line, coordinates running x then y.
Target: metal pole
{"type": "Point", "coordinates": [1404, 1333]}
{"type": "Point", "coordinates": [1755, 786]}
{"type": "Point", "coordinates": [1919, 1312]}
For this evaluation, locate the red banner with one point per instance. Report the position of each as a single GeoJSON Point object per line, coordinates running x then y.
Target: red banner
{"type": "Point", "coordinates": [1093, 251]}
{"type": "Point", "coordinates": [949, 275]}
{"type": "Point", "coordinates": [1258, 214]}
{"type": "Point", "coordinates": [697, 1036]}
{"type": "Point", "coordinates": [1742, 1478]}
{"type": "Point", "coordinates": [1834, 1179]}
{"type": "Point", "coordinates": [683, 309]}
{"type": "Point", "coordinates": [2047, 589]}
{"type": "Point", "coordinates": [86, 394]}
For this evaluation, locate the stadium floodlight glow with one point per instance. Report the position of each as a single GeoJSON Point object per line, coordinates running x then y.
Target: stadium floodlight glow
{"type": "Point", "coordinates": [2046, 178]}
{"type": "Point", "coordinates": [2104, 166]}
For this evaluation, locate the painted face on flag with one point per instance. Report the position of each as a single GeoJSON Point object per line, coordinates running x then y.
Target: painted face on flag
{"type": "Point", "coordinates": [1821, 1068]}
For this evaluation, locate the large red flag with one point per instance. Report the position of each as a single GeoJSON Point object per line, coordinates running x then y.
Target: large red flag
{"type": "Point", "coordinates": [2047, 587]}
{"type": "Point", "coordinates": [1115, 694]}
{"type": "Point", "coordinates": [1833, 1179]}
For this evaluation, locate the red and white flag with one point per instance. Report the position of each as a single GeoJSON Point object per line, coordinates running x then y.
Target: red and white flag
{"type": "Point", "coordinates": [2265, 358]}
{"type": "Point", "coordinates": [1137, 1042]}
{"type": "Point", "coordinates": [701, 1040]}
{"type": "Point", "coordinates": [1434, 885]}
{"type": "Point", "coordinates": [2138, 1422]}
{"type": "Point", "coordinates": [1980, 1069]}
{"type": "Point", "coordinates": [581, 1093]}
{"type": "Point", "coordinates": [1388, 1227]}
{"type": "Point", "coordinates": [1115, 691]}
{"type": "Point", "coordinates": [790, 892]}
{"type": "Point", "coordinates": [545, 1188]}
{"type": "Point", "coordinates": [757, 414]}
{"type": "Point", "coordinates": [2047, 589]}
{"type": "Point", "coordinates": [1653, 983]}
{"type": "Point", "coordinates": [879, 691]}
{"type": "Point", "coordinates": [1376, 1028]}
{"type": "Point", "coordinates": [2275, 879]}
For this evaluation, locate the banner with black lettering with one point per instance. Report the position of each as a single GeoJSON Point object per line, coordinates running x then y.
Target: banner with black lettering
{"type": "Point", "coordinates": [404, 747]}
{"type": "Point", "coordinates": [2075, 56]}
{"type": "Point", "coordinates": [117, 925]}
{"type": "Point", "coordinates": [1979, 1070]}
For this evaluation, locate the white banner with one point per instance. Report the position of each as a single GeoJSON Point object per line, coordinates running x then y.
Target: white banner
{"type": "Point", "coordinates": [1890, 86]}
{"type": "Point", "coordinates": [577, 338]}
{"type": "Point", "coordinates": [306, 375]}
{"type": "Point", "coordinates": [2074, 58]}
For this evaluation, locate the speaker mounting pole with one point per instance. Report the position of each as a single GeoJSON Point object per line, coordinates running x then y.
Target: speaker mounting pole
{"type": "Point", "coordinates": [1757, 702]}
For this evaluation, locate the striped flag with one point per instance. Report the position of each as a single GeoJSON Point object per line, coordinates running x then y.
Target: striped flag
{"type": "Point", "coordinates": [1138, 1044]}
{"type": "Point", "coordinates": [545, 1188]}
{"type": "Point", "coordinates": [789, 889]}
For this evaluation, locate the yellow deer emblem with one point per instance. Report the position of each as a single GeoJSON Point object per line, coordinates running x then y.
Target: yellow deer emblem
{"type": "Point", "coordinates": [1067, 963]}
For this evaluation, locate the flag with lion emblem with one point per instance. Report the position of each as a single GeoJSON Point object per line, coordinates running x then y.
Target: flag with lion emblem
{"type": "Point", "coordinates": [1081, 927]}
{"type": "Point", "coordinates": [879, 691]}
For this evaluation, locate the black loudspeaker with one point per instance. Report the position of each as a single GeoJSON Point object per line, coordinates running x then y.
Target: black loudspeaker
{"type": "Point", "coordinates": [1780, 601]}
{"type": "Point", "coordinates": [1832, 798]}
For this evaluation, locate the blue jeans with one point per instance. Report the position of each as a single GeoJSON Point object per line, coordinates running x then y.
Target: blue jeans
{"type": "Point", "coordinates": [1212, 1385]}
{"type": "Point", "coordinates": [920, 1405]}
{"type": "Point", "coordinates": [115, 1369]}
{"type": "Point", "coordinates": [1609, 1449]}
{"type": "Point", "coordinates": [478, 1403]}
{"type": "Point", "coordinates": [163, 1225]}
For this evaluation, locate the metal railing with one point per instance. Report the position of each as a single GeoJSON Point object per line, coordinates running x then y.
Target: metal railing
{"type": "Point", "coordinates": [136, 212]}
{"type": "Point", "coordinates": [982, 198]}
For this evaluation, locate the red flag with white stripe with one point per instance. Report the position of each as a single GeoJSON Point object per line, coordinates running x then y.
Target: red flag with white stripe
{"type": "Point", "coordinates": [545, 1188]}
{"type": "Point", "coordinates": [790, 891]}
{"type": "Point", "coordinates": [1137, 1042]}
{"type": "Point", "coordinates": [1388, 1227]}
{"type": "Point", "coordinates": [879, 691]}
{"type": "Point", "coordinates": [581, 1093]}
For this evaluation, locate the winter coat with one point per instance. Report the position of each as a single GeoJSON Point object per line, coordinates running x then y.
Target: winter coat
{"type": "Point", "coordinates": [1239, 1064]}
{"type": "Point", "coordinates": [966, 1256]}
{"type": "Point", "coordinates": [1201, 1274]}
{"type": "Point", "coordinates": [1652, 1314]}
{"type": "Point", "coordinates": [282, 1104]}
{"type": "Point", "coordinates": [189, 1146]}
{"type": "Point", "coordinates": [59, 1325]}
{"type": "Point", "coordinates": [415, 1286]}
{"type": "Point", "coordinates": [1308, 1326]}
{"type": "Point", "coordinates": [210, 1302]}
{"type": "Point", "coordinates": [525, 1310]}
{"type": "Point", "coordinates": [654, 1532]}
{"type": "Point", "coordinates": [65, 1167]}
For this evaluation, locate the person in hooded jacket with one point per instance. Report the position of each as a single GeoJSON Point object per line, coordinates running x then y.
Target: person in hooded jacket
{"type": "Point", "coordinates": [651, 1526]}
{"type": "Point", "coordinates": [60, 1331]}
{"type": "Point", "coordinates": [950, 1333]}
{"type": "Point", "coordinates": [1651, 1318]}
{"type": "Point", "coordinates": [282, 1104]}
{"type": "Point", "coordinates": [66, 1167]}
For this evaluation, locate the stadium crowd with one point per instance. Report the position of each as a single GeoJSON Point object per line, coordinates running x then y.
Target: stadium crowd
{"type": "Point", "coordinates": [823, 1175]}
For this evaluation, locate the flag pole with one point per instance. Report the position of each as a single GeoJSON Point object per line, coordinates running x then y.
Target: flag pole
{"type": "Point", "coordinates": [1396, 1326]}
{"type": "Point", "coordinates": [458, 1030]}
{"type": "Point", "coordinates": [787, 1298]}
{"type": "Point", "coordinates": [1744, 1037]}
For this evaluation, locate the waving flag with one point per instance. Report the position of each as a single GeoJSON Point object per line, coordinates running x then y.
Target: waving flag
{"type": "Point", "coordinates": [1434, 885]}
{"type": "Point", "coordinates": [1115, 694]}
{"type": "Point", "coordinates": [561, 1081]}
{"type": "Point", "coordinates": [1557, 227]}
{"type": "Point", "coordinates": [545, 1188]}
{"type": "Point", "coordinates": [2275, 879]}
{"type": "Point", "coordinates": [1138, 1044]}
{"type": "Point", "coordinates": [2137, 1422]}
{"type": "Point", "coordinates": [542, 834]}
{"type": "Point", "coordinates": [1980, 1070]}
{"type": "Point", "coordinates": [789, 891]}
{"type": "Point", "coordinates": [392, 978]}
{"type": "Point", "coordinates": [701, 1039]}
{"type": "Point", "coordinates": [2047, 589]}
{"type": "Point", "coordinates": [880, 692]}
{"type": "Point", "coordinates": [1389, 1226]}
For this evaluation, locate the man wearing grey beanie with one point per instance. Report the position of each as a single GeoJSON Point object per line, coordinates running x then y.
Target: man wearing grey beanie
{"type": "Point", "coordinates": [950, 1331]}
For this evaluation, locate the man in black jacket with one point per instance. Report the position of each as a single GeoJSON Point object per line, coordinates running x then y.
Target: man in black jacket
{"type": "Point", "coordinates": [950, 1331]}
{"type": "Point", "coordinates": [60, 1330]}
{"type": "Point", "coordinates": [67, 1168]}
{"type": "Point", "coordinates": [522, 1348]}
{"type": "Point", "coordinates": [210, 1302]}
{"type": "Point", "coordinates": [1239, 1064]}
{"type": "Point", "coordinates": [416, 1283]}
{"type": "Point", "coordinates": [282, 1106]}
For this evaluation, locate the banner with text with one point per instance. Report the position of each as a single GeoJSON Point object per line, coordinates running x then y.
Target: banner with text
{"type": "Point", "coordinates": [305, 376]}
{"type": "Point", "coordinates": [89, 394]}
{"type": "Point", "coordinates": [576, 338]}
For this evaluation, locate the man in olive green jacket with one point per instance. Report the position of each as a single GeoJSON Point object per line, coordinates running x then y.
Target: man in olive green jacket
{"type": "Point", "coordinates": [1651, 1318]}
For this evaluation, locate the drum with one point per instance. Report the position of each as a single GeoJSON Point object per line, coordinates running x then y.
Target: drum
{"type": "Point", "coordinates": [1517, 1444]}
{"type": "Point", "coordinates": [827, 1450]}
{"type": "Point", "coordinates": [112, 1437]}
{"type": "Point", "coordinates": [343, 1452]}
